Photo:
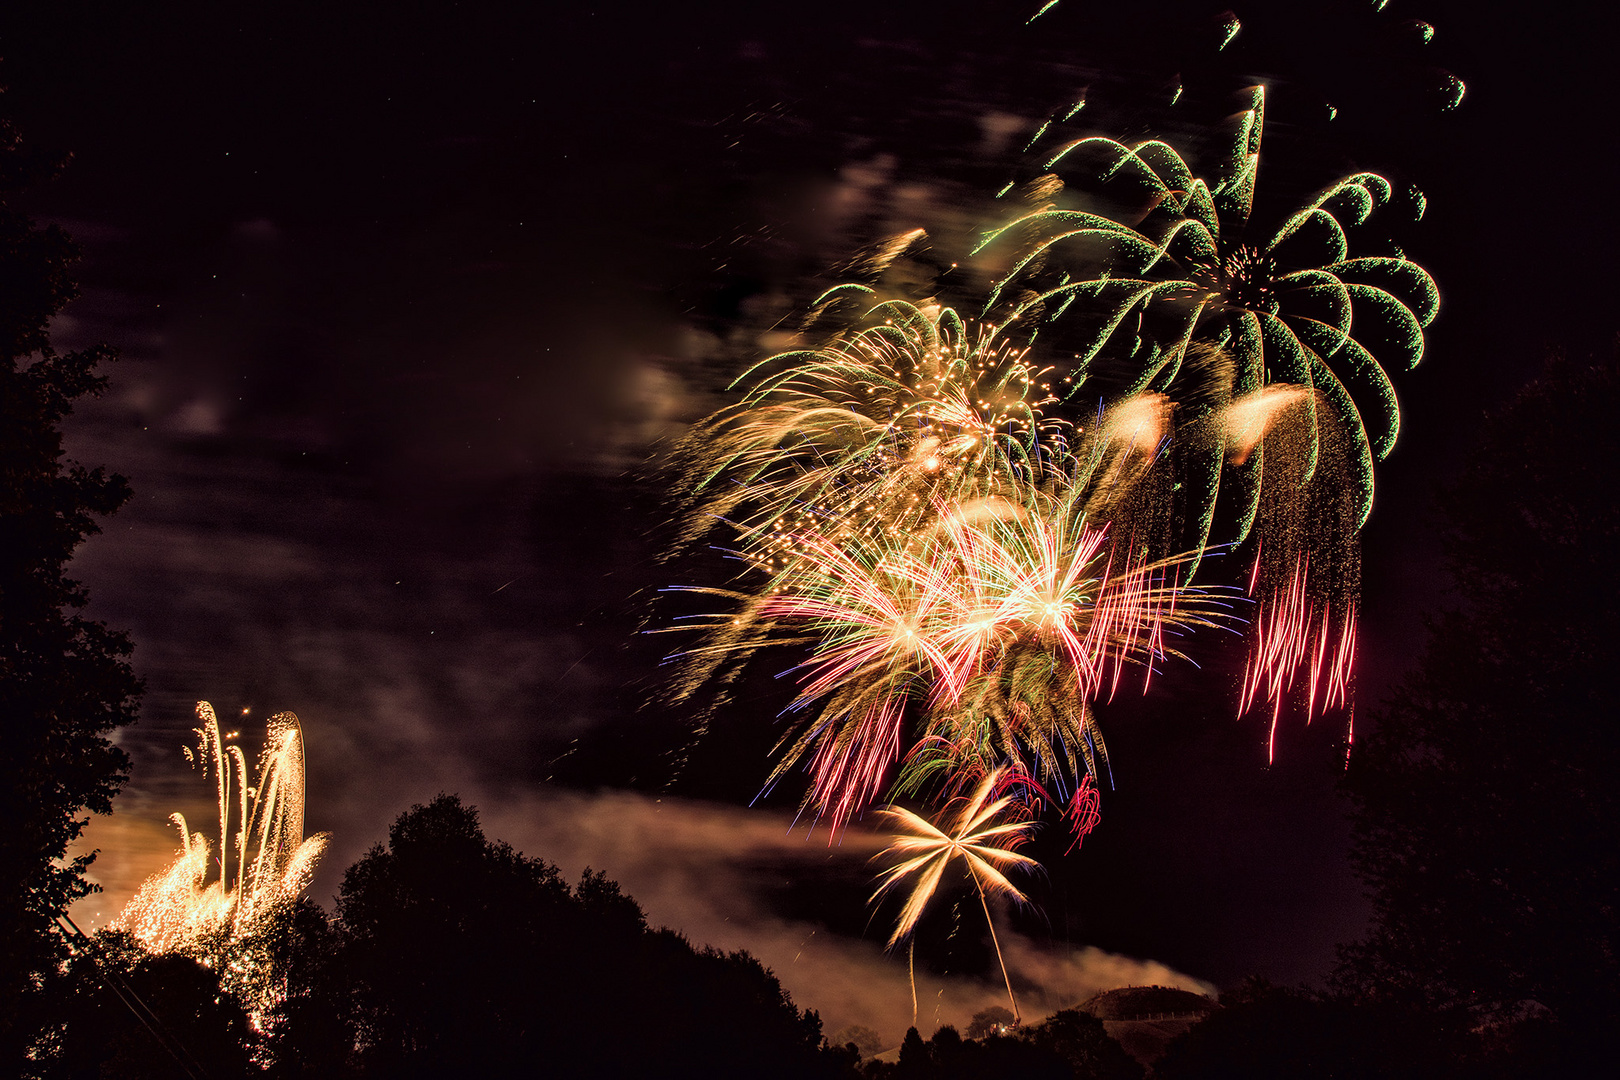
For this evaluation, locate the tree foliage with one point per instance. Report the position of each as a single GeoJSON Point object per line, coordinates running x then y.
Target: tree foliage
{"type": "Point", "coordinates": [1485, 801]}
{"type": "Point", "coordinates": [464, 957]}
{"type": "Point", "coordinates": [119, 1011]}
{"type": "Point", "coordinates": [948, 1056]}
{"type": "Point", "coordinates": [65, 683]}
{"type": "Point", "coordinates": [994, 1020]}
{"type": "Point", "coordinates": [1081, 1041]}
{"type": "Point", "coordinates": [451, 956]}
{"type": "Point", "coordinates": [1263, 1032]}
{"type": "Point", "coordinates": [1068, 1045]}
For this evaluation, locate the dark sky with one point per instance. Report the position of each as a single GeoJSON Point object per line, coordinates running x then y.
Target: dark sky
{"type": "Point", "coordinates": [406, 292]}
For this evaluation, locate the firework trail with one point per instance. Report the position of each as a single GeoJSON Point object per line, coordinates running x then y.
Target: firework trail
{"type": "Point", "coordinates": [1291, 636]}
{"type": "Point", "coordinates": [263, 858]}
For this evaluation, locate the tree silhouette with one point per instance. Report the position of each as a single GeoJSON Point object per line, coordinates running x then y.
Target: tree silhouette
{"type": "Point", "coordinates": [948, 1056]}
{"type": "Point", "coordinates": [1081, 1041]}
{"type": "Point", "coordinates": [1487, 821]}
{"type": "Point", "coordinates": [443, 932]}
{"type": "Point", "coordinates": [867, 1043]}
{"type": "Point", "coordinates": [463, 957]}
{"type": "Point", "coordinates": [993, 1020]}
{"type": "Point", "coordinates": [64, 681]}
{"type": "Point", "coordinates": [119, 1011]}
{"type": "Point", "coordinates": [1267, 1032]}
{"type": "Point", "coordinates": [311, 1031]}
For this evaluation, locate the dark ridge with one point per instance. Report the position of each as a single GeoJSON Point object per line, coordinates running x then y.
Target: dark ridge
{"type": "Point", "coordinates": [1147, 1003]}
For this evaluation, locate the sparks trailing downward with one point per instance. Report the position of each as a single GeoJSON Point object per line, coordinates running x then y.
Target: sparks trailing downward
{"type": "Point", "coordinates": [264, 862]}
{"type": "Point", "coordinates": [1293, 635]}
{"type": "Point", "coordinates": [1144, 269]}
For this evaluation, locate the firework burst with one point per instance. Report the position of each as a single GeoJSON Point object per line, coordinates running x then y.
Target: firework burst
{"type": "Point", "coordinates": [983, 830]}
{"type": "Point", "coordinates": [1293, 308]}
{"type": "Point", "coordinates": [264, 862]}
{"type": "Point", "coordinates": [991, 630]}
{"type": "Point", "coordinates": [912, 411]}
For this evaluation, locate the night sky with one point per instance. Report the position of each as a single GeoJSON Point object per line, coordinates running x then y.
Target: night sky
{"type": "Point", "coordinates": [406, 294]}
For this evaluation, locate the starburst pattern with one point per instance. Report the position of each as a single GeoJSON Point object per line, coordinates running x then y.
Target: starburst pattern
{"type": "Point", "coordinates": [1000, 621]}
{"type": "Point", "coordinates": [982, 830]}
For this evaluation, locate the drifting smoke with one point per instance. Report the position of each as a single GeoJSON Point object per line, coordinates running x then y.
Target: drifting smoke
{"type": "Point", "coordinates": [702, 869]}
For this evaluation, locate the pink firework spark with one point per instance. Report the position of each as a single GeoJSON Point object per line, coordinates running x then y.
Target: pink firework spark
{"type": "Point", "coordinates": [1085, 811]}
{"type": "Point", "coordinates": [1291, 634]}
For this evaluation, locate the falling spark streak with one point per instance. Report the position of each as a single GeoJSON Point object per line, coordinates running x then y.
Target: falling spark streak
{"type": "Point", "coordinates": [1048, 6]}
{"type": "Point", "coordinates": [264, 862]}
{"type": "Point", "coordinates": [1288, 631]}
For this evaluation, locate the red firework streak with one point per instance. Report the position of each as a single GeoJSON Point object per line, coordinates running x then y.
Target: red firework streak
{"type": "Point", "coordinates": [1292, 632]}
{"type": "Point", "coordinates": [1085, 811]}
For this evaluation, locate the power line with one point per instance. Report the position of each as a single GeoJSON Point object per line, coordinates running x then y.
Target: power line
{"type": "Point", "coordinates": [114, 980]}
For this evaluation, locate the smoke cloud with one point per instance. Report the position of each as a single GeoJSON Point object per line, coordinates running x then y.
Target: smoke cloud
{"type": "Point", "coordinates": [703, 868]}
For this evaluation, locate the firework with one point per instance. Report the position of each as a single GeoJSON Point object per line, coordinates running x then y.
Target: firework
{"type": "Point", "coordinates": [912, 411]}
{"type": "Point", "coordinates": [969, 543]}
{"type": "Point", "coordinates": [1248, 419]}
{"type": "Point", "coordinates": [1305, 575]}
{"type": "Point", "coordinates": [983, 832]}
{"type": "Point", "coordinates": [1291, 634]}
{"type": "Point", "coordinates": [1293, 308]}
{"type": "Point", "coordinates": [1085, 811]}
{"type": "Point", "coordinates": [994, 627]}
{"type": "Point", "coordinates": [959, 566]}
{"type": "Point", "coordinates": [264, 862]}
